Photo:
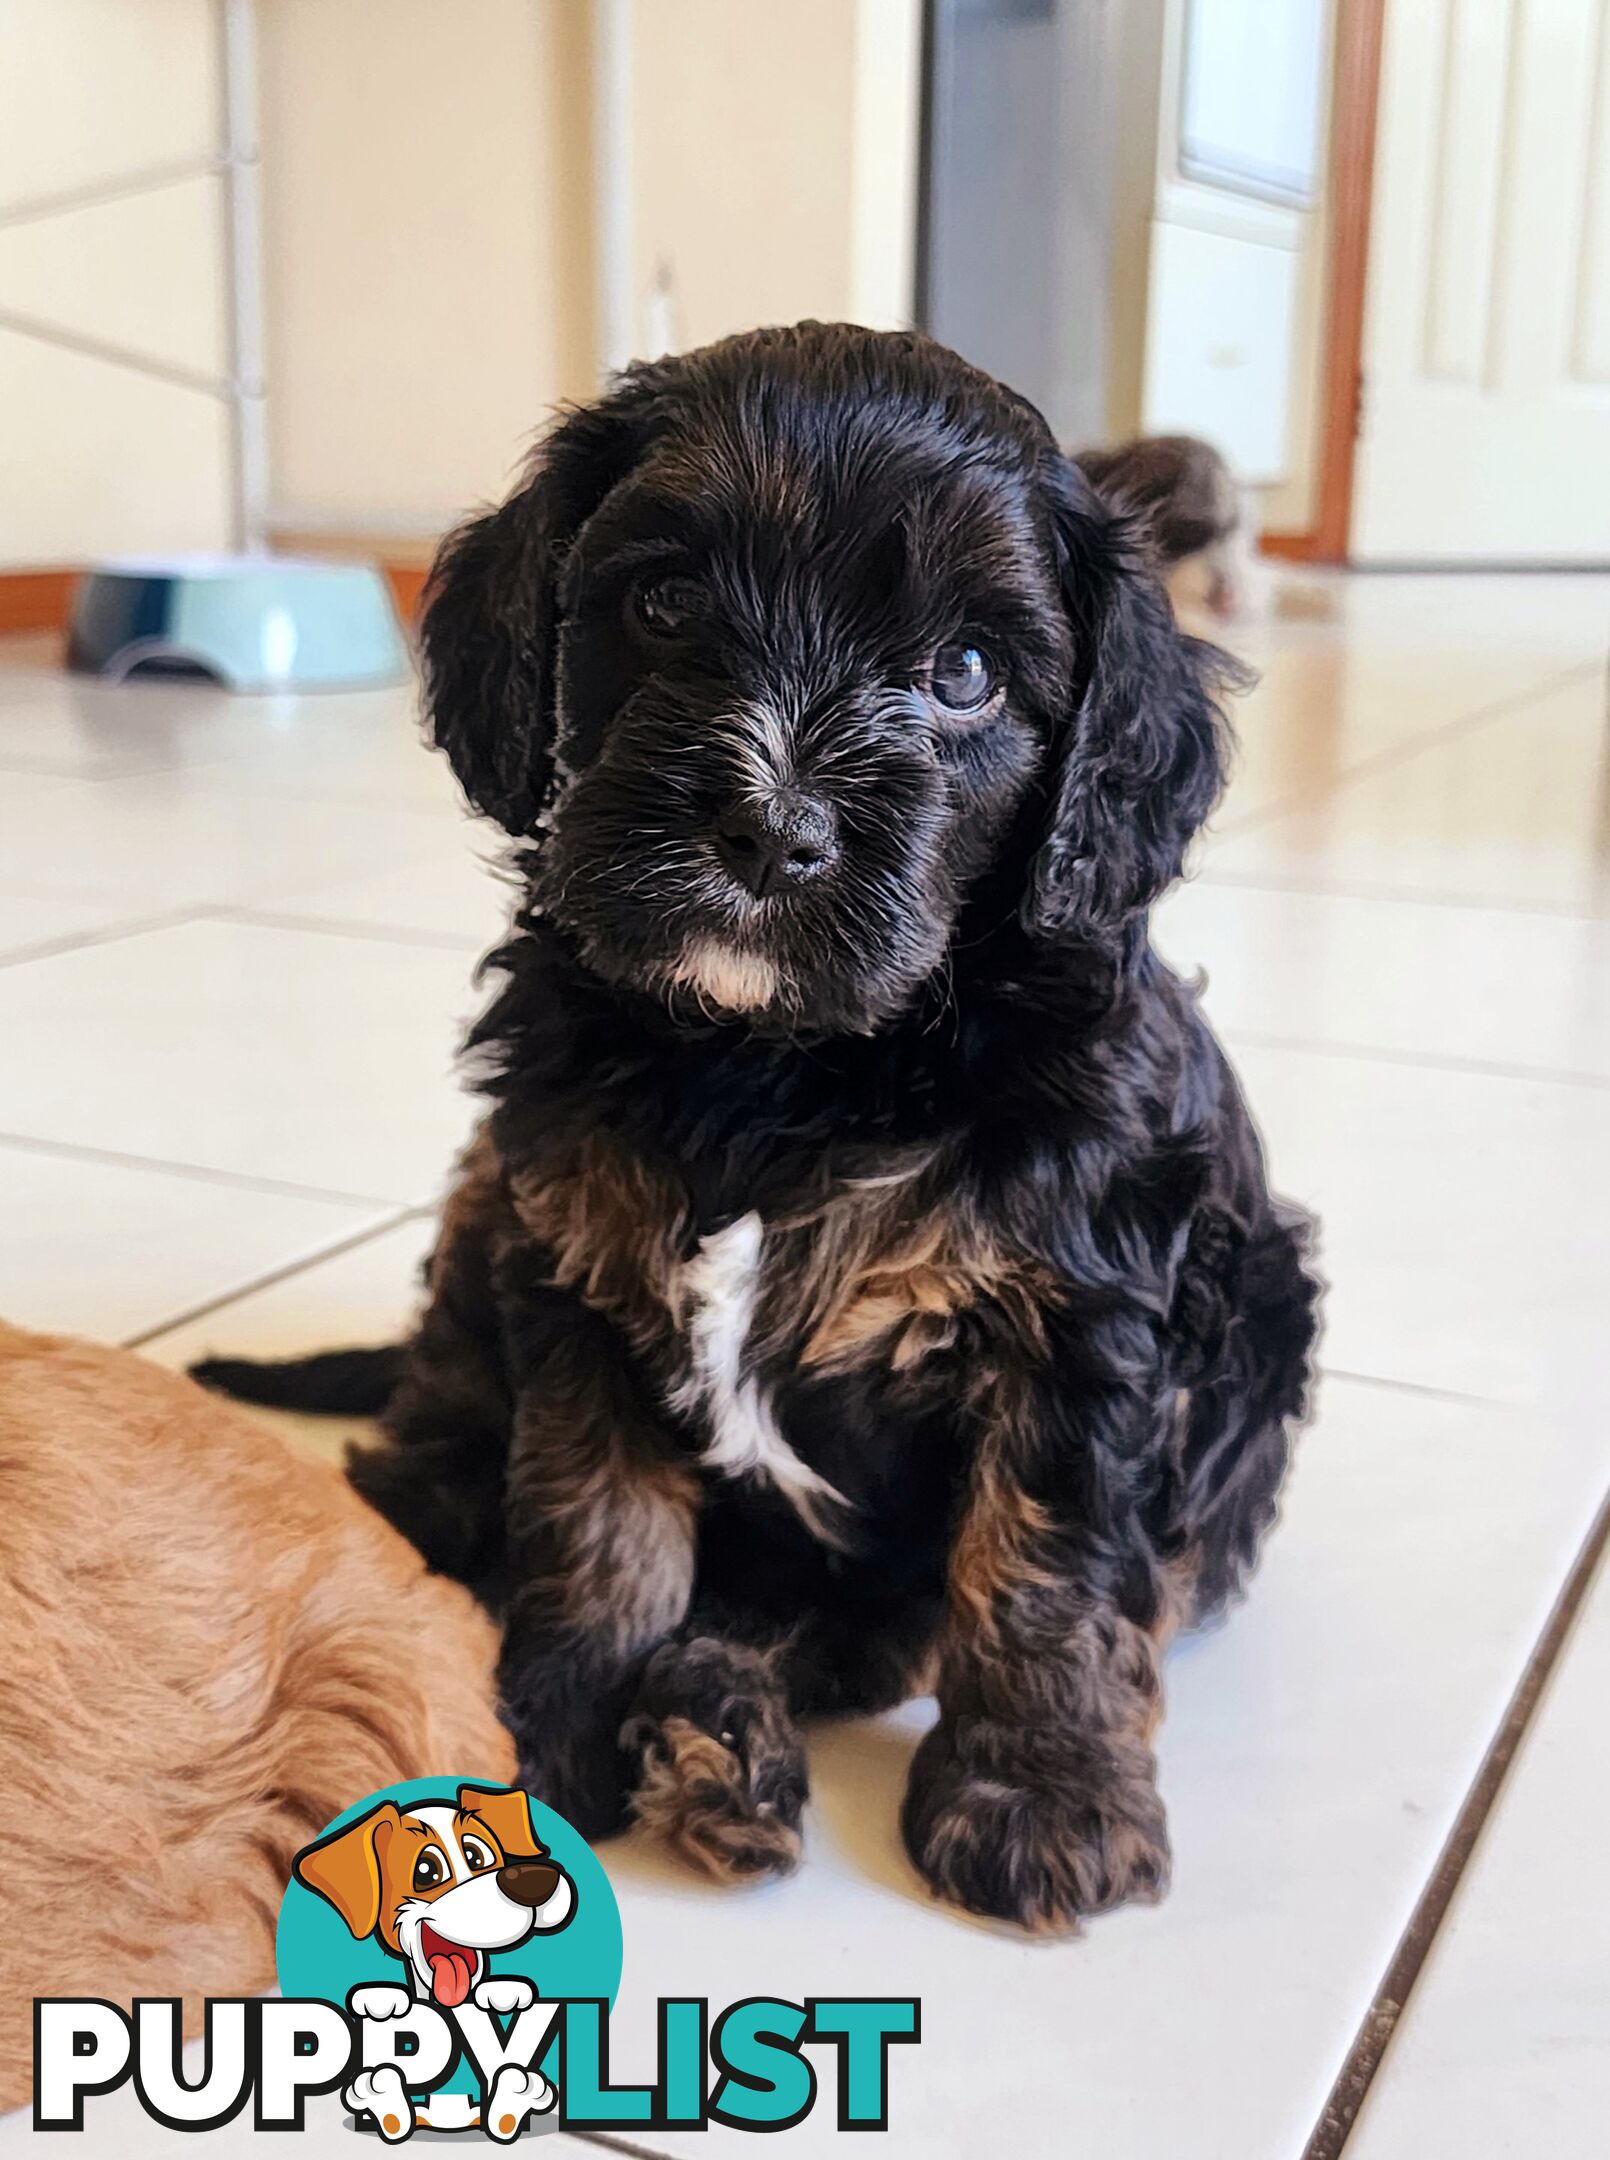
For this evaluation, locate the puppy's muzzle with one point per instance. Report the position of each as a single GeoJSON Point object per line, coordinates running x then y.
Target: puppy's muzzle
{"type": "Point", "coordinates": [776, 842]}
{"type": "Point", "coordinates": [529, 1882]}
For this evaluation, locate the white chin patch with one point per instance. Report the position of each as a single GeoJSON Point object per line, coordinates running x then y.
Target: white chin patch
{"type": "Point", "coordinates": [738, 981]}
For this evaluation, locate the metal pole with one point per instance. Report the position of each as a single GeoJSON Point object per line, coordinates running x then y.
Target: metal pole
{"type": "Point", "coordinates": [242, 173]}
{"type": "Point", "coordinates": [612, 181]}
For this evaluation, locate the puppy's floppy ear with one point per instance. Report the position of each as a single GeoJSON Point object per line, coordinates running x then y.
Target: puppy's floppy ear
{"type": "Point", "coordinates": [490, 630]}
{"type": "Point", "coordinates": [508, 1816]}
{"type": "Point", "coordinates": [344, 1868]}
{"type": "Point", "coordinates": [1139, 762]}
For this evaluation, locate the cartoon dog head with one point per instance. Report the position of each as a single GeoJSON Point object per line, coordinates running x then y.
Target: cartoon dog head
{"type": "Point", "coordinates": [440, 1887]}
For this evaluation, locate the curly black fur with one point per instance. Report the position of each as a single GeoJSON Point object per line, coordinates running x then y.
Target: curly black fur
{"type": "Point", "coordinates": [1018, 1303]}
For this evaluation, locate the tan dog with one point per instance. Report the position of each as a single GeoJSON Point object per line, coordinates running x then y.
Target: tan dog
{"type": "Point", "coordinates": [211, 1646]}
{"type": "Point", "coordinates": [441, 1887]}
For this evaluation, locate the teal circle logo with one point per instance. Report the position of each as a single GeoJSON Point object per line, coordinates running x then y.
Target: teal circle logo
{"type": "Point", "coordinates": [451, 1892]}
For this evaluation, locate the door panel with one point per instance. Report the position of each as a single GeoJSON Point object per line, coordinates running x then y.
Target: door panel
{"type": "Point", "coordinates": [1485, 429]}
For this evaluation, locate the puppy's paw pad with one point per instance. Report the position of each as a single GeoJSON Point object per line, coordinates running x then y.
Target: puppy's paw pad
{"type": "Point", "coordinates": [379, 2000]}
{"type": "Point", "coordinates": [504, 1995]}
{"type": "Point", "coordinates": [515, 2097]}
{"type": "Point", "coordinates": [382, 2095]}
{"type": "Point", "coordinates": [733, 1811]}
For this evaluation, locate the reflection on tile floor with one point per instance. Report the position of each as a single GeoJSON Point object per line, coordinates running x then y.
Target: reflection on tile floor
{"type": "Point", "coordinates": [236, 940]}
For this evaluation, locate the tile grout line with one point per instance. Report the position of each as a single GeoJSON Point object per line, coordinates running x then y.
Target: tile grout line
{"type": "Point", "coordinates": [242, 914]}
{"type": "Point", "coordinates": [267, 1280]}
{"type": "Point", "coordinates": [126, 926]}
{"type": "Point", "coordinates": [197, 1173]}
{"type": "Point", "coordinates": [1417, 1060]}
{"type": "Point", "coordinates": [215, 774]}
{"type": "Point", "coordinates": [227, 774]}
{"type": "Point", "coordinates": [267, 918]}
{"type": "Point", "coordinates": [1423, 1388]}
{"type": "Point", "coordinates": [1373, 2038]}
{"type": "Point", "coordinates": [1388, 760]}
{"type": "Point", "coordinates": [610, 2143]}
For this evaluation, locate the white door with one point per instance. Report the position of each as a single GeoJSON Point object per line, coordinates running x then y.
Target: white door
{"type": "Point", "coordinates": [1485, 429]}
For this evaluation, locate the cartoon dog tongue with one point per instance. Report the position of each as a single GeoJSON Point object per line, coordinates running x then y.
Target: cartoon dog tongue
{"type": "Point", "coordinates": [451, 1969]}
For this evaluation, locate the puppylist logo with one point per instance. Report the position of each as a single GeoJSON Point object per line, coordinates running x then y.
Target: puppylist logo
{"type": "Point", "coordinates": [449, 1952]}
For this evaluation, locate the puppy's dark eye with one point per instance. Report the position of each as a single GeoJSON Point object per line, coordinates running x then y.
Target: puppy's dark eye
{"type": "Point", "coordinates": [963, 678]}
{"type": "Point", "coordinates": [664, 608]}
{"type": "Point", "coordinates": [477, 1856]}
{"type": "Point", "coordinates": [429, 1869]}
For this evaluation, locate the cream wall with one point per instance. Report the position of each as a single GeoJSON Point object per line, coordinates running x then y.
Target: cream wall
{"type": "Point", "coordinates": [112, 309]}
{"type": "Point", "coordinates": [774, 164]}
{"type": "Point", "coordinates": [429, 194]}
{"type": "Point", "coordinates": [427, 249]}
{"type": "Point", "coordinates": [742, 123]}
{"type": "Point", "coordinates": [430, 217]}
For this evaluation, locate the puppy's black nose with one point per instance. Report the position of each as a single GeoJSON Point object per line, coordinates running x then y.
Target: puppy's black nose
{"type": "Point", "coordinates": [777, 842]}
{"type": "Point", "coordinates": [529, 1882]}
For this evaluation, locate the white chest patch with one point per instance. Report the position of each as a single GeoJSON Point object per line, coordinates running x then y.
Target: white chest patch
{"type": "Point", "coordinates": [719, 1285]}
{"type": "Point", "coordinates": [737, 981]}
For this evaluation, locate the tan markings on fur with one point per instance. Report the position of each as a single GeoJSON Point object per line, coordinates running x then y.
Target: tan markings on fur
{"type": "Point", "coordinates": [888, 1267]}
{"type": "Point", "coordinates": [727, 976]}
{"type": "Point", "coordinates": [923, 1675]}
{"type": "Point", "coordinates": [995, 1556]}
{"type": "Point", "coordinates": [908, 1300]}
{"type": "Point", "coordinates": [472, 1198]}
{"type": "Point", "coordinates": [692, 1794]}
{"type": "Point", "coordinates": [881, 1268]}
{"type": "Point", "coordinates": [202, 1636]}
{"type": "Point", "coordinates": [619, 1515]}
{"type": "Point", "coordinates": [1089, 1853]}
{"type": "Point", "coordinates": [628, 1541]}
{"type": "Point", "coordinates": [1069, 1690]}
{"type": "Point", "coordinates": [616, 1230]}
{"type": "Point", "coordinates": [1178, 1604]}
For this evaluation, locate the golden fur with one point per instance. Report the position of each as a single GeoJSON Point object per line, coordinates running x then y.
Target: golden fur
{"type": "Point", "coordinates": [211, 1646]}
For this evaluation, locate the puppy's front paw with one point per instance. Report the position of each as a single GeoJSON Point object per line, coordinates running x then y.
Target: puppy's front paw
{"type": "Point", "coordinates": [379, 2000]}
{"type": "Point", "coordinates": [1003, 1825]}
{"type": "Point", "coordinates": [721, 1765]}
{"type": "Point", "coordinates": [505, 1995]}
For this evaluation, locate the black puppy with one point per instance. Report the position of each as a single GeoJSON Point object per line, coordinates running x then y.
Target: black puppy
{"type": "Point", "coordinates": [865, 1280]}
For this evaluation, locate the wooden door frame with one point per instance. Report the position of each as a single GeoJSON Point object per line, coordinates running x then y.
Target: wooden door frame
{"type": "Point", "coordinates": [1355, 92]}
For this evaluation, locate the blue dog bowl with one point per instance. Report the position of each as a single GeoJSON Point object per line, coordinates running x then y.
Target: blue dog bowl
{"type": "Point", "coordinates": [251, 622]}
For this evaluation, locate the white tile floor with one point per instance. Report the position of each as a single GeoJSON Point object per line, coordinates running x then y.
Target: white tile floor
{"type": "Point", "coordinates": [235, 940]}
{"type": "Point", "coordinates": [1502, 2051]}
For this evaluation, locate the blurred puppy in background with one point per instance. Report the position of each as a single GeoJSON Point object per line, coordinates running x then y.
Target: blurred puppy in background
{"type": "Point", "coordinates": [1185, 496]}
